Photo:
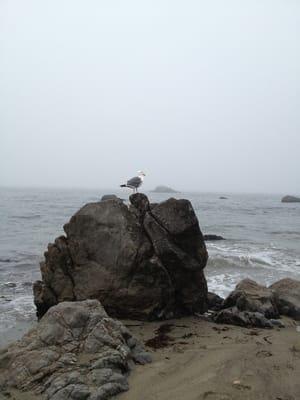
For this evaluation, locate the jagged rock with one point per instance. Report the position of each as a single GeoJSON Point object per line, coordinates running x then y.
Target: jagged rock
{"type": "Point", "coordinates": [250, 296]}
{"type": "Point", "coordinates": [287, 297]}
{"type": "Point", "coordinates": [290, 199]}
{"type": "Point", "coordinates": [75, 352]}
{"type": "Point", "coordinates": [214, 302]}
{"type": "Point", "coordinates": [212, 237]}
{"type": "Point", "coordinates": [142, 262]}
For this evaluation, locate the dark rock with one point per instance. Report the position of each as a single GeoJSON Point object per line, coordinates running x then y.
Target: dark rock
{"type": "Point", "coordinates": [250, 296]}
{"type": "Point", "coordinates": [223, 198]}
{"type": "Point", "coordinates": [75, 352]}
{"type": "Point", "coordinates": [140, 203]}
{"type": "Point", "coordinates": [141, 262]}
{"type": "Point", "coordinates": [277, 322]}
{"type": "Point", "coordinates": [164, 189]}
{"type": "Point", "coordinates": [214, 302]}
{"type": "Point", "coordinates": [44, 298]}
{"type": "Point", "coordinates": [111, 197]}
{"type": "Point", "coordinates": [212, 237]}
{"type": "Point", "coordinates": [290, 199]}
{"type": "Point", "coordinates": [287, 297]}
{"type": "Point", "coordinates": [234, 316]}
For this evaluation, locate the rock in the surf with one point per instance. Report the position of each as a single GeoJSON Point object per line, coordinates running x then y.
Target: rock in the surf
{"type": "Point", "coordinates": [164, 189]}
{"type": "Point", "coordinates": [290, 199]}
{"type": "Point", "coordinates": [210, 237]}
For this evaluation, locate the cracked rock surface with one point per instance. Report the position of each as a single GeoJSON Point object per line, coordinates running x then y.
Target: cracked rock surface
{"type": "Point", "coordinates": [142, 261]}
{"type": "Point", "coordinates": [75, 352]}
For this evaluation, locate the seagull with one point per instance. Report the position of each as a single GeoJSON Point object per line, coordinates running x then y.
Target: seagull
{"type": "Point", "coordinates": [135, 182]}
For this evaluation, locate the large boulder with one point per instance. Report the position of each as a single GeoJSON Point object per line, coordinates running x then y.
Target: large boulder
{"type": "Point", "coordinates": [287, 297]}
{"type": "Point", "coordinates": [250, 296]}
{"type": "Point", "coordinates": [144, 261]}
{"type": "Point", "coordinates": [76, 352]}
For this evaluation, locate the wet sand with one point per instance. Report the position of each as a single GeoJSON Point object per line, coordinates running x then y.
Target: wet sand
{"type": "Point", "coordinates": [198, 360]}
{"type": "Point", "coordinates": [201, 360]}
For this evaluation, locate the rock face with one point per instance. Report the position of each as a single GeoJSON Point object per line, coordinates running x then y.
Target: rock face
{"type": "Point", "coordinates": [290, 199]}
{"type": "Point", "coordinates": [75, 352]}
{"type": "Point", "coordinates": [287, 297]}
{"type": "Point", "coordinates": [143, 262]}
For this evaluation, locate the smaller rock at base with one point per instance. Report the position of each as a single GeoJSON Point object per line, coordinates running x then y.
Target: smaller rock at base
{"type": "Point", "coordinates": [234, 316]}
{"type": "Point", "coordinates": [214, 302]}
{"type": "Point", "coordinates": [76, 352]}
{"type": "Point", "coordinates": [250, 296]}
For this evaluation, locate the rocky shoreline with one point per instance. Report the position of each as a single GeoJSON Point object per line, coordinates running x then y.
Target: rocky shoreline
{"type": "Point", "coordinates": [144, 264]}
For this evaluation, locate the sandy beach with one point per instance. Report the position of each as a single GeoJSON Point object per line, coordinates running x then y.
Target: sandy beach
{"type": "Point", "coordinates": [206, 361]}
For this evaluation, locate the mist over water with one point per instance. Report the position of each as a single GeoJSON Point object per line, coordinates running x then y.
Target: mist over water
{"type": "Point", "coordinates": [201, 95]}
{"type": "Point", "coordinates": [262, 239]}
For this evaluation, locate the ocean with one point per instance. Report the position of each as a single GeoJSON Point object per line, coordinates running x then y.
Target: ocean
{"type": "Point", "coordinates": [262, 240]}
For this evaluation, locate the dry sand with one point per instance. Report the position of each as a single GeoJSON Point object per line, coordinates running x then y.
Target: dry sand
{"type": "Point", "coordinates": [206, 361]}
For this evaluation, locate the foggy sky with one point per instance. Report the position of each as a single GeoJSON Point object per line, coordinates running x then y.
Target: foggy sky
{"type": "Point", "coordinates": [201, 95]}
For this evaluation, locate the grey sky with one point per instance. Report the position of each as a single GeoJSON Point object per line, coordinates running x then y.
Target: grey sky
{"type": "Point", "coordinates": [201, 95]}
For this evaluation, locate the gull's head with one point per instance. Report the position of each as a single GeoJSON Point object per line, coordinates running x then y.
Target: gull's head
{"type": "Point", "coordinates": [141, 173]}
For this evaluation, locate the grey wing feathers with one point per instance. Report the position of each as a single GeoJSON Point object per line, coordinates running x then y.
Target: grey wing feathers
{"type": "Point", "coordinates": [134, 182]}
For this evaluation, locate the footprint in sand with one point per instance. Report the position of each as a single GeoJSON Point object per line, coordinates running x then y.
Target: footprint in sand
{"type": "Point", "coordinates": [215, 396]}
{"type": "Point", "coordinates": [263, 354]}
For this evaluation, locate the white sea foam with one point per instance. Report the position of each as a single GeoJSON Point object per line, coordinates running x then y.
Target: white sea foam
{"type": "Point", "coordinates": [17, 309]}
